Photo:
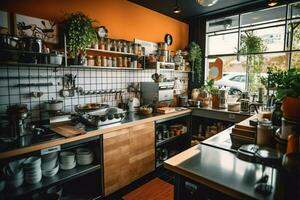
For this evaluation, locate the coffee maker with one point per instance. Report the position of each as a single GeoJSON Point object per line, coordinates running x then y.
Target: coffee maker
{"type": "Point", "coordinates": [17, 125]}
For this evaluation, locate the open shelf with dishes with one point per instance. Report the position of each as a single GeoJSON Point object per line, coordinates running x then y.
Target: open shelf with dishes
{"type": "Point", "coordinates": [33, 175]}
{"type": "Point", "coordinates": [172, 136]}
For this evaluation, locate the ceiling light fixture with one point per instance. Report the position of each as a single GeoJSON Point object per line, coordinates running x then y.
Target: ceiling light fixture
{"type": "Point", "coordinates": [272, 3]}
{"type": "Point", "coordinates": [206, 3]}
{"type": "Point", "coordinates": [176, 9]}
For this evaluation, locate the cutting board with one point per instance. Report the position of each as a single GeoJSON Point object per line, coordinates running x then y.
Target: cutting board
{"type": "Point", "coordinates": [67, 130]}
{"type": "Point", "coordinates": [165, 110]}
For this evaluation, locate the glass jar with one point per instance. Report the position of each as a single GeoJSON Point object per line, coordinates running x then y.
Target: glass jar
{"type": "Point", "coordinates": [104, 62]}
{"type": "Point", "coordinates": [95, 45]}
{"type": "Point", "coordinates": [264, 136]}
{"type": "Point", "coordinates": [125, 47]}
{"type": "Point", "coordinates": [125, 62]}
{"type": "Point", "coordinates": [102, 44]}
{"type": "Point", "coordinates": [90, 61]}
{"type": "Point", "coordinates": [98, 61]}
{"type": "Point", "coordinates": [114, 62]}
{"type": "Point", "coordinates": [129, 47]}
{"type": "Point", "coordinates": [119, 46]}
{"type": "Point", "coordinates": [277, 114]}
{"type": "Point", "coordinates": [135, 48]}
{"type": "Point", "coordinates": [109, 62]}
{"type": "Point", "coordinates": [107, 44]}
{"type": "Point", "coordinates": [120, 62]}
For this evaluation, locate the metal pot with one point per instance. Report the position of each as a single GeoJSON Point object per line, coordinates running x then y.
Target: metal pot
{"type": "Point", "coordinates": [32, 44]}
{"type": "Point", "coordinates": [9, 42]}
{"type": "Point", "coordinates": [54, 105]}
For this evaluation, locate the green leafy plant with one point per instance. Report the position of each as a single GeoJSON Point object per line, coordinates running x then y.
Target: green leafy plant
{"type": "Point", "coordinates": [251, 44]}
{"type": "Point", "coordinates": [210, 88]}
{"type": "Point", "coordinates": [195, 58]}
{"type": "Point", "coordinates": [287, 83]}
{"type": "Point", "coordinates": [79, 32]}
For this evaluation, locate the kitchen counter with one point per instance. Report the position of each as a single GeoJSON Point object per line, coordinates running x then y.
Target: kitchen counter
{"type": "Point", "coordinates": [131, 120]}
{"type": "Point", "coordinates": [219, 114]}
{"type": "Point", "coordinates": [219, 170]}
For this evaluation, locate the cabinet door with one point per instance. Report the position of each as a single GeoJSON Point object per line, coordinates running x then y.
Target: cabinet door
{"type": "Point", "coordinates": [142, 150]}
{"type": "Point", "coordinates": [116, 152]}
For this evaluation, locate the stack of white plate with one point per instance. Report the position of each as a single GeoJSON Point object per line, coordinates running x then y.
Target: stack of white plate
{"type": "Point", "coordinates": [49, 164]}
{"type": "Point", "coordinates": [14, 175]}
{"type": "Point", "coordinates": [33, 171]}
{"type": "Point", "coordinates": [67, 160]}
{"type": "Point", "coordinates": [84, 156]}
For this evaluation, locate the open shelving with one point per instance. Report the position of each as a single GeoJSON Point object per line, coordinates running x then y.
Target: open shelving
{"type": "Point", "coordinates": [111, 52]}
{"type": "Point", "coordinates": [170, 139]}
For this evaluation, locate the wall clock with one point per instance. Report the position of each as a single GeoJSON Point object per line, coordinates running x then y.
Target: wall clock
{"type": "Point", "coordinates": [102, 32]}
{"type": "Point", "coordinates": [168, 39]}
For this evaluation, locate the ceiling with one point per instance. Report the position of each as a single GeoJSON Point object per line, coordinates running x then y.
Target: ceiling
{"type": "Point", "coordinates": [190, 9]}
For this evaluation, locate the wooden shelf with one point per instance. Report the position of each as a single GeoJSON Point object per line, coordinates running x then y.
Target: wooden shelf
{"type": "Point", "coordinates": [61, 177]}
{"type": "Point", "coordinates": [61, 66]}
{"type": "Point", "coordinates": [111, 52]}
{"type": "Point", "coordinates": [161, 142]}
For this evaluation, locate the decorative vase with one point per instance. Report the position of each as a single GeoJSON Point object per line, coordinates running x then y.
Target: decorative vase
{"type": "Point", "coordinates": [195, 94]}
{"type": "Point", "coordinates": [291, 108]}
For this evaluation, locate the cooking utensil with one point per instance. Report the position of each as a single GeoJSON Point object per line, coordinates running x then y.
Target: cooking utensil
{"type": "Point", "coordinates": [54, 105]}
{"type": "Point", "coordinates": [32, 44]}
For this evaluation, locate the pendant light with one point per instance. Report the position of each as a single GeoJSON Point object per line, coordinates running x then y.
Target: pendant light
{"type": "Point", "coordinates": [206, 3]}
{"type": "Point", "coordinates": [176, 9]}
{"type": "Point", "coordinates": [272, 3]}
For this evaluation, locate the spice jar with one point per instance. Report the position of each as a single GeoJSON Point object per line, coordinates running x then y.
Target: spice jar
{"type": "Point", "coordinates": [120, 62]}
{"type": "Point", "coordinates": [109, 62]}
{"type": "Point", "coordinates": [135, 48]}
{"type": "Point", "coordinates": [102, 44]}
{"type": "Point", "coordinates": [107, 44]}
{"type": "Point", "coordinates": [90, 61]}
{"type": "Point", "coordinates": [125, 47]}
{"type": "Point", "coordinates": [114, 62]}
{"type": "Point", "coordinates": [95, 45]}
{"type": "Point", "coordinates": [98, 61]}
{"type": "Point", "coordinates": [104, 63]}
{"type": "Point", "coordinates": [129, 47]}
{"type": "Point", "coordinates": [113, 46]}
{"type": "Point", "coordinates": [125, 62]}
{"type": "Point", "coordinates": [264, 135]}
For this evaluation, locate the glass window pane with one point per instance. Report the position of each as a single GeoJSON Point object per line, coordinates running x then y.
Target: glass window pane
{"type": "Point", "coordinates": [259, 64]}
{"type": "Point", "coordinates": [222, 24]}
{"type": "Point", "coordinates": [263, 16]}
{"type": "Point", "coordinates": [222, 44]}
{"type": "Point", "coordinates": [234, 74]}
{"type": "Point", "coordinates": [294, 30]}
{"type": "Point", "coordinates": [295, 60]}
{"type": "Point", "coordinates": [272, 39]}
{"type": "Point", "coordinates": [294, 10]}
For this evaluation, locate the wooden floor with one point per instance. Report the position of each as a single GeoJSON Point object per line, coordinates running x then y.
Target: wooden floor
{"type": "Point", "coordinates": [155, 189]}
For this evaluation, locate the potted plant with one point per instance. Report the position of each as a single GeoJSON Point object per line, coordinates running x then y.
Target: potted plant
{"type": "Point", "coordinates": [80, 34]}
{"type": "Point", "coordinates": [214, 92]}
{"type": "Point", "coordinates": [205, 93]}
{"type": "Point", "coordinates": [195, 58]}
{"type": "Point", "coordinates": [289, 91]}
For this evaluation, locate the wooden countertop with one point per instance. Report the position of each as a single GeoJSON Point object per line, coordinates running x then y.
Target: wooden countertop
{"type": "Point", "coordinates": [100, 131]}
{"type": "Point", "coordinates": [220, 170]}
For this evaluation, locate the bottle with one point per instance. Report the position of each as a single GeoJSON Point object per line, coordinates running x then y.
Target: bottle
{"type": "Point", "coordinates": [114, 62]}
{"type": "Point", "coordinates": [104, 62]}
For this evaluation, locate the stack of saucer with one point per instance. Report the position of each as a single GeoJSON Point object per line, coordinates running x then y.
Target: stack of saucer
{"type": "Point", "coordinates": [49, 164]}
{"type": "Point", "coordinates": [84, 156]}
{"type": "Point", "coordinates": [14, 174]}
{"type": "Point", "coordinates": [33, 171]}
{"type": "Point", "coordinates": [67, 160]}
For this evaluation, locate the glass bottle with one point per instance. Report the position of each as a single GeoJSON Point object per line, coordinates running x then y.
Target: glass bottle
{"type": "Point", "coordinates": [104, 62]}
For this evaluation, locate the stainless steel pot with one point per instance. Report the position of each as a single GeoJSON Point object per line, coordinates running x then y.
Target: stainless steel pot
{"type": "Point", "coordinates": [9, 42]}
{"type": "Point", "coordinates": [54, 105]}
{"type": "Point", "coordinates": [32, 44]}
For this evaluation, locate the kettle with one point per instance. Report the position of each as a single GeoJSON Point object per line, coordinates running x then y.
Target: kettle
{"type": "Point", "coordinates": [133, 104]}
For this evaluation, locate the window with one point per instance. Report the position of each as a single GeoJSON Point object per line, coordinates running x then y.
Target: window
{"type": "Point", "coordinates": [250, 43]}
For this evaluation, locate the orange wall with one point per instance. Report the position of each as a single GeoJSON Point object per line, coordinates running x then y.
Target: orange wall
{"type": "Point", "coordinates": [123, 19]}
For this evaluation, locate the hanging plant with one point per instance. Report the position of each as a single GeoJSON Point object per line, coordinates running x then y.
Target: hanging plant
{"type": "Point", "coordinates": [195, 58]}
{"type": "Point", "coordinates": [79, 32]}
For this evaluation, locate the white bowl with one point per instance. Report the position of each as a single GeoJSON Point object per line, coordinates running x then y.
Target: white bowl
{"type": "Point", "coordinates": [67, 157]}
{"type": "Point", "coordinates": [33, 180]}
{"type": "Point", "coordinates": [49, 157]}
{"type": "Point", "coordinates": [83, 151]}
{"type": "Point", "coordinates": [51, 172]}
{"type": "Point", "coordinates": [68, 166]}
{"type": "Point", "coordinates": [46, 166]}
{"type": "Point", "coordinates": [84, 162]}
{"type": "Point", "coordinates": [32, 161]}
